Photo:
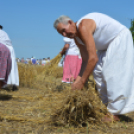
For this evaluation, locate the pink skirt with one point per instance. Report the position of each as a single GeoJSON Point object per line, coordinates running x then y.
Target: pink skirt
{"type": "Point", "coordinates": [71, 68]}
{"type": "Point", "coordinates": [5, 63]}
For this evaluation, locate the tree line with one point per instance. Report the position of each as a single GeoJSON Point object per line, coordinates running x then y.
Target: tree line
{"type": "Point", "coordinates": [132, 28]}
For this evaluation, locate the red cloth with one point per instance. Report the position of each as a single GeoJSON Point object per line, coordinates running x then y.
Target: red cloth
{"type": "Point", "coordinates": [5, 63]}
{"type": "Point", "coordinates": [71, 68]}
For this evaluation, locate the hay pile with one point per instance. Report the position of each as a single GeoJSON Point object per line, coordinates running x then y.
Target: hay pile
{"type": "Point", "coordinates": [27, 73]}
{"type": "Point", "coordinates": [80, 108]}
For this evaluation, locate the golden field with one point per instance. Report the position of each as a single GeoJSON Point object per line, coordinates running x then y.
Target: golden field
{"type": "Point", "coordinates": [44, 105]}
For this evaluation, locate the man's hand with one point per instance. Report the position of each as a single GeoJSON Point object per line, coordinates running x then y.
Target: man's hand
{"type": "Point", "coordinates": [77, 84]}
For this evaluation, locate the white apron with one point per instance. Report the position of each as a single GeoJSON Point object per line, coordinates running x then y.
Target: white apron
{"type": "Point", "coordinates": [13, 78]}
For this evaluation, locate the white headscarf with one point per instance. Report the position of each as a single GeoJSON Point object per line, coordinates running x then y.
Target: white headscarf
{"type": "Point", "coordinates": [4, 38]}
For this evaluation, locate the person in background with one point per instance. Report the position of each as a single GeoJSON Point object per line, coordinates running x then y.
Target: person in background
{"type": "Point", "coordinates": [25, 61]}
{"type": "Point", "coordinates": [22, 60]}
{"type": "Point", "coordinates": [34, 61]}
{"type": "Point", "coordinates": [37, 62]}
{"type": "Point", "coordinates": [13, 78]}
{"type": "Point", "coordinates": [17, 60]}
{"type": "Point", "coordinates": [40, 61]}
{"type": "Point", "coordinates": [72, 62]}
{"type": "Point", "coordinates": [48, 59]}
{"type": "Point", "coordinates": [28, 60]}
{"type": "Point", "coordinates": [31, 59]}
{"type": "Point", "coordinates": [44, 61]}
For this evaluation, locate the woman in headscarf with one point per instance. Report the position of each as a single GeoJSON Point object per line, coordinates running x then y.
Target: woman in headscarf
{"type": "Point", "coordinates": [13, 78]}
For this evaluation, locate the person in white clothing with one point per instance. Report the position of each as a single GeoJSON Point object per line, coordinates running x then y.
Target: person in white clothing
{"type": "Point", "coordinates": [72, 60]}
{"type": "Point", "coordinates": [112, 66]}
{"type": "Point", "coordinates": [13, 78]}
{"type": "Point", "coordinates": [44, 61]}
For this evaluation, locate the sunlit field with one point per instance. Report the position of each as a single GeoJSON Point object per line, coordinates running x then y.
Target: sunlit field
{"type": "Point", "coordinates": [44, 105]}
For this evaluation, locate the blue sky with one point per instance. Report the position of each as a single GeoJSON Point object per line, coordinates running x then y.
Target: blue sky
{"type": "Point", "coordinates": [29, 23]}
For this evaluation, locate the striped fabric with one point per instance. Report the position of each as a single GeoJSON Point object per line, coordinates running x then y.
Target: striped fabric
{"type": "Point", "coordinates": [71, 69]}
{"type": "Point", "coordinates": [5, 63]}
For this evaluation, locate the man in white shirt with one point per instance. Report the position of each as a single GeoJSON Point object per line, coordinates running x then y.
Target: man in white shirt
{"type": "Point", "coordinates": [113, 65]}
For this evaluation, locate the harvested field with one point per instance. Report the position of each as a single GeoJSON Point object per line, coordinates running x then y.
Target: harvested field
{"type": "Point", "coordinates": [44, 105]}
{"type": "Point", "coordinates": [29, 110]}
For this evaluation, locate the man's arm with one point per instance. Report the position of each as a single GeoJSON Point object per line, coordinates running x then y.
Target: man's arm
{"type": "Point", "coordinates": [84, 59]}
{"type": "Point", "coordinates": [89, 56]}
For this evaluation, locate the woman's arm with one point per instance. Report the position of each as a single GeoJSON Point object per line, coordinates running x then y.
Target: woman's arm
{"type": "Point", "coordinates": [65, 48]}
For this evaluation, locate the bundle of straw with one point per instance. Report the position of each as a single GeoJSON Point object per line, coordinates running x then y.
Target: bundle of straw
{"type": "Point", "coordinates": [79, 108]}
{"type": "Point", "coordinates": [52, 66]}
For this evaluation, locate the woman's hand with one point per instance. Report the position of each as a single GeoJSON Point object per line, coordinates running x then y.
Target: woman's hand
{"type": "Point", "coordinates": [62, 53]}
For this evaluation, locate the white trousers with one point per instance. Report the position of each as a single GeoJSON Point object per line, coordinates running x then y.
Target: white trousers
{"type": "Point", "coordinates": [114, 74]}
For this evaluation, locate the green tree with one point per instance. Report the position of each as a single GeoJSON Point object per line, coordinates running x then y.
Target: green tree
{"type": "Point", "coordinates": [132, 28]}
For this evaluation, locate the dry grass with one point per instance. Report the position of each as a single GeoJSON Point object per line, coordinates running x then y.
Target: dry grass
{"type": "Point", "coordinates": [78, 108]}
{"type": "Point", "coordinates": [45, 105]}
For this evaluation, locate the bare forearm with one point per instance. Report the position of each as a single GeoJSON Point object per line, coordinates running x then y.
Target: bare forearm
{"type": "Point", "coordinates": [88, 69]}
{"type": "Point", "coordinates": [83, 66]}
{"type": "Point", "coordinates": [65, 48]}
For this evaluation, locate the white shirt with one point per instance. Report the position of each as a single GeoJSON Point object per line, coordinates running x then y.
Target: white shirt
{"type": "Point", "coordinates": [106, 29]}
{"type": "Point", "coordinates": [73, 49]}
{"type": "Point", "coordinates": [43, 61]}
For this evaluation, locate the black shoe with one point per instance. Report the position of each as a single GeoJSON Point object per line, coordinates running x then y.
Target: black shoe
{"type": "Point", "coordinates": [14, 88]}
